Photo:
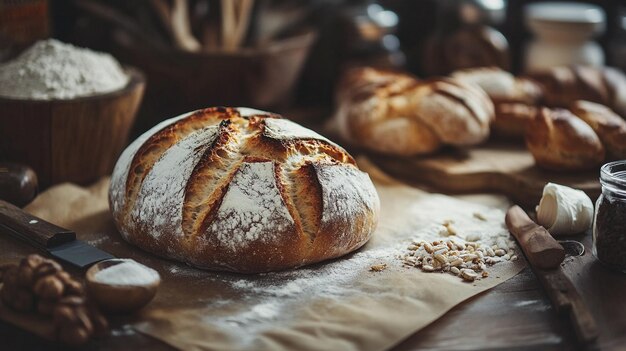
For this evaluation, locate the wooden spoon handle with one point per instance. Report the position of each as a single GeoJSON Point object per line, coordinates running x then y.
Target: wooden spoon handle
{"type": "Point", "coordinates": [541, 249]}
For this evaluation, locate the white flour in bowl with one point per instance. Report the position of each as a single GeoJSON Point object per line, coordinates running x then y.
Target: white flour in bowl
{"type": "Point", "coordinates": [51, 70]}
{"type": "Point", "coordinates": [128, 272]}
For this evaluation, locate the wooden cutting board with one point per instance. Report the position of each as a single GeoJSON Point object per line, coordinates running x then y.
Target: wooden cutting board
{"type": "Point", "coordinates": [493, 167]}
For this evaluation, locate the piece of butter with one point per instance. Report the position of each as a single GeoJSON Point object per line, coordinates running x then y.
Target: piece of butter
{"type": "Point", "coordinates": [564, 211]}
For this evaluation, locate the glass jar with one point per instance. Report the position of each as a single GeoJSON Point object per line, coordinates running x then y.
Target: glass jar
{"type": "Point", "coordinates": [609, 224]}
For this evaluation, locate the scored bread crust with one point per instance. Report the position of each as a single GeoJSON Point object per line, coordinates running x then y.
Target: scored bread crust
{"type": "Point", "coordinates": [501, 86]}
{"type": "Point", "coordinates": [512, 118]}
{"type": "Point", "coordinates": [610, 127]}
{"type": "Point", "coordinates": [558, 140]}
{"type": "Point", "coordinates": [395, 113]}
{"type": "Point", "coordinates": [515, 98]}
{"type": "Point", "coordinates": [564, 84]}
{"type": "Point", "coordinates": [241, 190]}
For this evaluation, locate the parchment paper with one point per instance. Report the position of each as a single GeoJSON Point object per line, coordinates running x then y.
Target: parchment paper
{"type": "Point", "coordinates": [339, 305]}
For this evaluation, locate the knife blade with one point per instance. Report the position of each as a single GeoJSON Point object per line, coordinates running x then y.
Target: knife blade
{"type": "Point", "coordinates": [58, 242]}
{"type": "Point", "coordinates": [545, 256]}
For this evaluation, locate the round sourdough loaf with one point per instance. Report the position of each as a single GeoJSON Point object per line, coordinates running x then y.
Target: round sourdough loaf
{"type": "Point", "coordinates": [241, 190]}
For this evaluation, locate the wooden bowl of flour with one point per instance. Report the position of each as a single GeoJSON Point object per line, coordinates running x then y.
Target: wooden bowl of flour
{"type": "Point", "coordinates": [76, 140]}
{"type": "Point", "coordinates": [125, 290]}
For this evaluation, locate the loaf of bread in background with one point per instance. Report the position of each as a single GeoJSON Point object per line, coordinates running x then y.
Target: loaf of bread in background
{"type": "Point", "coordinates": [514, 98]}
{"type": "Point", "coordinates": [501, 86]}
{"type": "Point", "coordinates": [563, 85]}
{"type": "Point", "coordinates": [241, 190]}
{"type": "Point", "coordinates": [512, 119]}
{"type": "Point", "coordinates": [558, 140]}
{"type": "Point", "coordinates": [365, 97]}
{"type": "Point", "coordinates": [394, 113]}
{"type": "Point", "coordinates": [366, 78]}
{"type": "Point", "coordinates": [610, 127]}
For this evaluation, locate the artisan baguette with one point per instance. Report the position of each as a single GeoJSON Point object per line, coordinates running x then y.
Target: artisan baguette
{"type": "Point", "coordinates": [563, 85]}
{"type": "Point", "coordinates": [558, 140]}
{"type": "Point", "coordinates": [501, 86]}
{"type": "Point", "coordinates": [512, 119]}
{"type": "Point", "coordinates": [610, 127]}
{"type": "Point", "coordinates": [515, 99]}
{"type": "Point", "coordinates": [396, 114]}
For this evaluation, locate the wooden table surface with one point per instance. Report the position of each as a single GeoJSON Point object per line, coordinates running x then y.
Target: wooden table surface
{"type": "Point", "coordinates": [515, 315]}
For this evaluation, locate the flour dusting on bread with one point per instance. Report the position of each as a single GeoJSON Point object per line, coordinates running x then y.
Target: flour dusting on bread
{"type": "Point", "coordinates": [241, 190]}
{"type": "Point", "coordinates": [122, 167]}
{"type": "Point", "coordinates": [282, 129]}
{"type": "Point", "coordinates": [252, 208]}
{"type": "Point", "coordinates": [160, 200]}
{"type": "Point", "coordinates": [341, 188]}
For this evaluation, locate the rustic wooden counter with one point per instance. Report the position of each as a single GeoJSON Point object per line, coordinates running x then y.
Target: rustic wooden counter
{"type": "Point", "coordinates": [515, 315]}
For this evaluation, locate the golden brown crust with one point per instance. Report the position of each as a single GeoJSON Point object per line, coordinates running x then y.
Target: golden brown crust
{"type": "Point", "coordinates": [512, 119]}
{"type": "Point", "coordinates": [457, 112]}
{"type": "Point", "coordinates": [558, 140]}
{"type": "Point", "coordinates": [396, 114]}
{"type": "Point", "coordinates": [514, 98]}
{"type": "Point", "coordinates": [361, 80]}
{"type": "Point", "coordinates": [610, 127]}
{"type": "Point", "coordinates": [563, 85]}
{"type": "Point", "coordinates": [501, 86]}
{"type": "Point", "coordinates": [241, 191]}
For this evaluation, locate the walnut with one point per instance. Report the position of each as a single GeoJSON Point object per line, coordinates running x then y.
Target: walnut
{"type": "Point", "coordinates": [13, 294]}
{"type": "Point", "coordinates": [46, 307]}
{"type": "Point", "coordinates": [72, 287]}
{"type": "Point", "coordinates": [76, 320]}
{"type": "Point", "coordinates": [42, 284]}
{"type": "Point", "coordinates": [18, 298]}
{"type": "Point", "coordinates": [27, 269]}
{"type": "Point", "coordinates": [9, 276]}
{"type": "Point", "coordinates": [73, 326]}
{"type": "Point", "coordinates": [46, 268]}
{"type": "Point", "coordinates": [5, 267]}
{"type": "Point", "coordinates": [49, 287]}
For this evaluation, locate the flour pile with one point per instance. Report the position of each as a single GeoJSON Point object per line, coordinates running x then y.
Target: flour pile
{"type": "Point", "coordinates": [128, 272]}
{"type": "Point", "coordinates": [51, 70]}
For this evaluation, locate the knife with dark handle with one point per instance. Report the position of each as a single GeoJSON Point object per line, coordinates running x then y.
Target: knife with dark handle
{"type": "Point", "coordinates": [545, 255]}
{"type": "Point", "coordinates": [59, 242]}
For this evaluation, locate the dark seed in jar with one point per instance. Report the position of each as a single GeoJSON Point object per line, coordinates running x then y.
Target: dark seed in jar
{"type": "Point", "coordinates": [610, 233]}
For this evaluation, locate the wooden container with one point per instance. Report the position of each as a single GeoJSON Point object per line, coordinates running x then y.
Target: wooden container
{"type": "Point", "coordinates": [77, 140]}
{"type": "Point", "coordinates": [260, 77]}
{"type": "Point", "coordinates": [121, 299]}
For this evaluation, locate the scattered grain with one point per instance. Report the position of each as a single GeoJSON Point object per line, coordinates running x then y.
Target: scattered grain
{"type": "Point", "coordinates": [378, 267]}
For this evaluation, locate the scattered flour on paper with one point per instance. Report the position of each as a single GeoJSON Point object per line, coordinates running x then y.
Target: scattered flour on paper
{"type": "Point", "coordinates": [265, 301]}
{"type": "Point", "coordinates": [266, 311]}
{"type": "Point", "coordinates": [252, 208]}
{"type": "Point", "coordinates": [273, 294]}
